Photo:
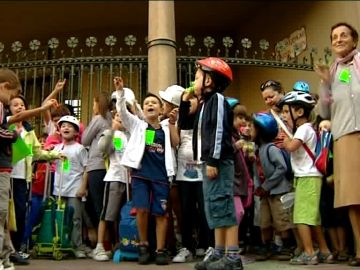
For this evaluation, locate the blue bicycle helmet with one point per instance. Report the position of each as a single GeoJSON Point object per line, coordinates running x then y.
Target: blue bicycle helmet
{"type": "Point", "coordinates": [301, 86]}
{"type": "Point", "coordinates": [232, 102]}
{"type": "Point", "coordinates": [267, 123]}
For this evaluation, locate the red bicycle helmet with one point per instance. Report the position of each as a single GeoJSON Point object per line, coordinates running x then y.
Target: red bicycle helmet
{"type": "Point", "coordinates": [217, 65]}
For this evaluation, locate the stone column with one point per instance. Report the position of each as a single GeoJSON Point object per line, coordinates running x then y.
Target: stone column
{"type": "Point", "coordinates": [161, 46]}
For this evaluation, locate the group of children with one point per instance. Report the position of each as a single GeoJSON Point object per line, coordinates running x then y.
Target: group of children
{"type": "Point", "coordinates": [191, 142]}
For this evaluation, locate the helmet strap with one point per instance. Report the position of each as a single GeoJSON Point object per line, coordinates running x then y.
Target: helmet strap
{"type": "Point", "coordinates": [293, 120]}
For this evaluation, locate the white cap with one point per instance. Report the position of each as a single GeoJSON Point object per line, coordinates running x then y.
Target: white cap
{"type": "Point", "coordinates": [172, 94]}
{"type": "Point", "coordinates": [128, 94]}
{"type": "Point", "coordinates": [69, 119]}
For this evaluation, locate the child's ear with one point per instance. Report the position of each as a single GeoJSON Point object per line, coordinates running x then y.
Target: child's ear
{"type": "Point", "coordinates": [208, 80]}
{"type": "Point", "coordinates": [300, 112]}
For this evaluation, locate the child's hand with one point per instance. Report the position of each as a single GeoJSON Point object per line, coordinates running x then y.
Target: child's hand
{"type": "Point", "coordinates": [118, 83]}
{"type": "Point", "coordinates": [211, 172]}
{"type": "Point", "coordinates": [49, 104]}
{"type": "Point", "coordinates": [173, 116]}
{"type": "Point", "coordinates": [239, 144]}
{"type": "Point", "coordinates": [81, 192]}
{"type": "Point", "coordinates": [59, 86]}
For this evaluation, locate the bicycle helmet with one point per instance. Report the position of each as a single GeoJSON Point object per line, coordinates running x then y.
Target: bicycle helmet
{"type": "Point", "coordinates": [301, 86]}
{"type": "Point", "coordinates": [232, 102]}
{"type": "Point", "coordinates": [69, 119]}
{"type": "Point", "coordinates": [267, 123]}
{"type": "Point", "coordinates": [297, 98]}
{"type": "Point", "coordinates": [217, 65]}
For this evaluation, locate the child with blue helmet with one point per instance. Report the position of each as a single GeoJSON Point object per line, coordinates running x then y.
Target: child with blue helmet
{"type": "Point", "coordinates": [276, 184]}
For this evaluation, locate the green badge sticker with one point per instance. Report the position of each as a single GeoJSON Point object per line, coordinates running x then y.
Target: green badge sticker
{"type": "Point", "coordinates": [118, 144]}
{"type": "Point", "coordinates": [66, 166]}
{"type": "Point", "coordinates": [149, 136]}
{"type": "Point", "coordinates": [345, 76]}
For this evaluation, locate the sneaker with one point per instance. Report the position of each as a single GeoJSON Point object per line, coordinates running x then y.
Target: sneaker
{"type": "Point", "coordinates": [162, 257]}
{"type": "Point", "coordinates": [24, 255]}
{"type": "Point", "coordinates": [283, 255]}
{"type": "Point", "coordinates": [17, 259]}
{"type": "Point", "coordinates": [80, 253]}
{"type": "Point", "coordinates": [144, 254]}
{"type": "Point", "coordinates": [304, 259]}
{"type": "Point", "coordinates": [326, 258]}
{"type": "Point", "coordinates": [263, 253]}
{"type": "Point", "coordinates": [7, 265]}
{"type": "Point", "coordinates": [89, 251]}
{"type": "Point", "coordinates": [100, 255]}
{"type": "Point", "coordinates": [209, 258]}
{"type": "Point", "coordinates": [225, 263]}
{"type": "Point", "coordinates": [210, 251]}
{"type": "Point", "coordinates": [184, 255]}
{"type": "Point", "coordinates": [200, 252]}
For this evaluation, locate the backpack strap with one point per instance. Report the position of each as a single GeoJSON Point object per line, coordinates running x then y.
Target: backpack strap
{"type": "Point", "coordinates": [310, 153]}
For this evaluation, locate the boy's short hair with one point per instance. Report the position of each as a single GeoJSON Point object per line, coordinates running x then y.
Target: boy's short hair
{"type": "Point", "coordinates": [9, 76]}
{"type": "Point", "coordinates": [153, 95]}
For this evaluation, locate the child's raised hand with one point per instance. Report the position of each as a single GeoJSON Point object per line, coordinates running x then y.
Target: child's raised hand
{"type": "Point", "coordinates": [118, 83]}
{"type": "Point", "coordinates": [49, 104]}
{"type": "Point", "coordinates": [173, 116]}
{"type": "Point", "coordinates": [59, 85]}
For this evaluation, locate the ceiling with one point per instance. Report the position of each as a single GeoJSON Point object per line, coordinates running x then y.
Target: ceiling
{"type": "Point", "coordinates": [26, 20]}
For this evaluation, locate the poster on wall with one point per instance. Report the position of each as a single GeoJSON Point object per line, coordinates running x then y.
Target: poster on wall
{"type": "Point", "coordinates": [291, 47]}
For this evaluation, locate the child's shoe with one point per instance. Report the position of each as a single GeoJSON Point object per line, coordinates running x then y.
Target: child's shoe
{"type": "Point", "coordinates": [80, 253]}
{"type": "Point", "coordinates": [144, 254]}
{"type": "Point", "coordinates": [225, 263]}
{"type": "Point", "coordinates": [162, 257]}
{"type": "Point", "coordinates": [208, 259]}
{"type": "Point", "coordinates": [304, 259]}
{"type": "Point", "coordinates": [326, 258]}
{"type": "Point", "coordinates": [7, 265]}
{"type": "Point", "coordinates": [184, 255]}
{"type": "Point", "coordinates": [99, 254]}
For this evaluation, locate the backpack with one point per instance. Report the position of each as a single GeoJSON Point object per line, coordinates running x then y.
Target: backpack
{"type": "Point", "coordinates": [323, 153]}
{"type": "Point", "coordinates": [286, 156]}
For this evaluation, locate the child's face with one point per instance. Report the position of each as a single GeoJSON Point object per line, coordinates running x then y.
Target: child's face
{"type": "Point", "coordinates": [68, 131]}
{"type": "Point", "coordinates": [95, 108]}
{"type": "Point", "coordinates": [198, 82]}
{"type": "Point", "coordinates": [152, 108]}
{"type": "Point", "coordinates": [168, 107]}
{"type": "Point", "coordinates": [246, 130]}
{"type": "Point", "coordinates": [239, 121]}
{"type": "Point", "coordinates": [285, 113]}
{"type": "Point", "coordinates": [116, 122]}
{"type": "Point", "coordinates": [253, 132]}
{"type": "Point", "coordinates": [42, 142]}
{"type": "Point", "coordinates": [16, 106]}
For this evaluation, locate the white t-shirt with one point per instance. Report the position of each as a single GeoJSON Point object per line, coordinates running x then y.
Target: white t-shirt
{"type": "Point", "coordinates": [116, 171]}
{"type": "Point", "coordinates": [19, 168]}
{"type": "Point", "coordinates": [71, 178]}
{"type": "Point", "coordinates": [188, 168]}
{"type": "Point", "coordinates": [301, 162]}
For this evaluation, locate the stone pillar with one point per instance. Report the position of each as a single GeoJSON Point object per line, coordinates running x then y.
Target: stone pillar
{"type": "Point", "coordinates": [161, 46]}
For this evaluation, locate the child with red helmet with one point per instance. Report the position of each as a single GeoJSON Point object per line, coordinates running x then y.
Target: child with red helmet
{"type": "Point", "coordinates": [212, 145]}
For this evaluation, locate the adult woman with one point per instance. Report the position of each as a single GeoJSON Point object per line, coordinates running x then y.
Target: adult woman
{"type": "Point", "coordinates": [339, 101]}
